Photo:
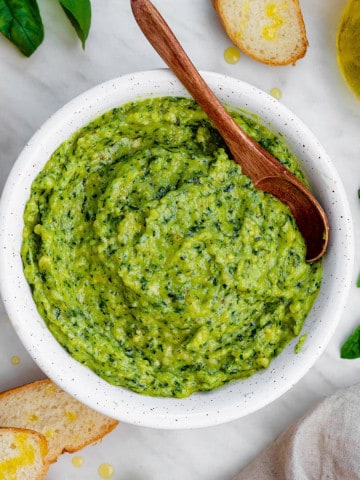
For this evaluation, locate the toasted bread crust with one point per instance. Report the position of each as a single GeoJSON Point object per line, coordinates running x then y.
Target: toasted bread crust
{"type": "Point", "coordinates": [67, 424]}
{"type": "Point", "coordinates": [272, 32]}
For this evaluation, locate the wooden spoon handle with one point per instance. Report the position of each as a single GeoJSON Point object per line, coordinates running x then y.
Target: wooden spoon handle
{"type": "Point", "coordinates": [166, 44]}
{"type": "Point", "coordinates": [168, 47]}
{"type": "Point", "coordinates": [241, 145]}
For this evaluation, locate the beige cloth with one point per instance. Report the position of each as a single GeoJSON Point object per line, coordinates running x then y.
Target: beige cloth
{"type": "Point", "coordinates": [323, 445]}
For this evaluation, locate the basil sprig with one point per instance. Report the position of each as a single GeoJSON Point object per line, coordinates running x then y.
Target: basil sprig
{"type": "Point", "coordinates": [351, 347]}
{"type": "Point", "coordinates": [21, 23]}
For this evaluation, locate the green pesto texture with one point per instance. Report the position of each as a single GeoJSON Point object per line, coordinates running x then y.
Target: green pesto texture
{"type": "Point", "coordinates": [155, 262]}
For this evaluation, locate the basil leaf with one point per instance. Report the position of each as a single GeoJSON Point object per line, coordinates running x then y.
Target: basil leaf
{"type": "Point", "coordinates": [351, 348]}
{"type": "Point", "coordinates": [79, 14]}
{"type": "Point", "coordinates": [21, 23]}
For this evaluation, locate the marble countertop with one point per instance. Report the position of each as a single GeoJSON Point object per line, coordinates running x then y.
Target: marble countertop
{"type": "Point", "coordinates": [31, 89]}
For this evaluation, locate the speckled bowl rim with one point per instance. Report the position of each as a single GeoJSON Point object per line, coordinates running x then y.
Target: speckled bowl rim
{"type": "Point", "coordinates": [238, 398]}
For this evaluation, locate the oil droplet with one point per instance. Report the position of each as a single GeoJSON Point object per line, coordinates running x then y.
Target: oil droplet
{"type": "Point", "coordinates": [276, 93]}
{"type": "Point", "coordinates": [270, 32]}
{"type": "Point", "coordinates": [232, 55]}
{"type": "Point", "coordinates": [50, 390]}
{"type": "Point", "coordinates": [32, 417]}
{"type": "Point", "coordinates": [15, 360]}
{"type": "Point", "coordinates": [49, 434]}
{"type": "Point", "coordinates": [70, 416]}
{"type": "Point", "coordinates": [77, 461]}
{"type": "Point", "coordinates": [106, 470]}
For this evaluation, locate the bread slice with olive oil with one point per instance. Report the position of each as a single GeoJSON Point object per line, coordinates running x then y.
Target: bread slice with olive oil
{"type": "Point", "coordinates": [270, 31]}
{"type": "Point", "coordinates": [22, 454]}
{"type": "Point", "coordinates": [66, 423]}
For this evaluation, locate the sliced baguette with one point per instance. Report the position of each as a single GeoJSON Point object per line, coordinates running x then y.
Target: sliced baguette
{"type": "Point", "coordinates": [67, 424]}
{"type": "Point", "coordinates": [22, 454]}
{"type": "Point", "coordinates": [270, 31]}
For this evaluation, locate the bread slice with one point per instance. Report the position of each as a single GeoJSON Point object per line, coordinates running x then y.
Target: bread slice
{"type": "Point", "coordinates": [67, 424]}
{"type": "Point", "coordinates": [22, 454]}
{"type": "Point", "coordinates": [270, 31]}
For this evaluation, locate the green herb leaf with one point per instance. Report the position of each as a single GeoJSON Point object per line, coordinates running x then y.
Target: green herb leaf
{"type": "Point", "coordinates": [79, 14]}
{"type": "Point", "coordinates": [351, 348]}
{"type": "Point", "coordinates": [21, 23]}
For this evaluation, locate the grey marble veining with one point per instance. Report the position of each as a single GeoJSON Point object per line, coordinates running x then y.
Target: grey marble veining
{"type": "Point", "coordinates": [32, 89]}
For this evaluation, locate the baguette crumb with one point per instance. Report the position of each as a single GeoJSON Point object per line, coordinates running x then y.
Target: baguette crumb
{"type": "Point", "coordinates": [269, 31]}
{"type": "Point", "coordinates": [66, 423]}
{"type": "Point", "coordinates": [23, 454]}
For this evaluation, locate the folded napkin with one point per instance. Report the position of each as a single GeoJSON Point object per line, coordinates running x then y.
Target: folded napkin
{"type": "Point", "coordinates": [323, 445]}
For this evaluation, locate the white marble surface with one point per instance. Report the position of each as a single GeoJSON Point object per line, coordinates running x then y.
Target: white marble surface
{"type": "Point", "coordinates": [32, 89]}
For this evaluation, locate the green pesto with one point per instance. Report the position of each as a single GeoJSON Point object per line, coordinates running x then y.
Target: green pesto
{"type": "Point", "coordinates": [299, 346]}
{"type": "Point", "coordinates": [155, 262]}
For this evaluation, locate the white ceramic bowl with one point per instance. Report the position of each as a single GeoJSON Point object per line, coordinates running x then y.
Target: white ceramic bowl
{"type": "Point", "coordinates": [236, 399]}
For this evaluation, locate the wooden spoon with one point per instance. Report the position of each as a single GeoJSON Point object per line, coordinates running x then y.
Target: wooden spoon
{"type": "Point", "coordinates": [267, 173]}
